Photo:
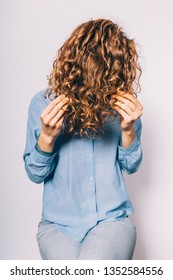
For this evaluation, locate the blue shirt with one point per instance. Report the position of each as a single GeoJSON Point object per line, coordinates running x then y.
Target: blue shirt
{"type": "Point", "coordinates": [83, 180]}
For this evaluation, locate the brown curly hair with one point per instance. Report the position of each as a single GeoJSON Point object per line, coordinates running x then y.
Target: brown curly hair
{"type": "Point", "coordinates": [96, 62]}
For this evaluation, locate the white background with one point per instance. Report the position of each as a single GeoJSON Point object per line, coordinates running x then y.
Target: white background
{"type": "Point", "coordinates": [31, 33]}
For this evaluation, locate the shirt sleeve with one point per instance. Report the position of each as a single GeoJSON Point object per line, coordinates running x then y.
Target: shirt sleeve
{"type": "Point", "coordinates": [130, 158]}
{"type": "Point", "coordinates": [38, 164]}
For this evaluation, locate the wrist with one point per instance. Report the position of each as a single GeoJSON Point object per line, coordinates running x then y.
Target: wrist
{"type": "Point", "coordinates": [43, 152]}
{"type": "Point", "coordinates": [45, 142]}
{"type": "Point", "coordinates": [128, 130]}
{"type": "Point", "coordinates": [128, 136]}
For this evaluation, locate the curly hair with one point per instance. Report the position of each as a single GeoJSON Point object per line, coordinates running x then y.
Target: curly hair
{"type": "Point", "coordinates": [94, 63]}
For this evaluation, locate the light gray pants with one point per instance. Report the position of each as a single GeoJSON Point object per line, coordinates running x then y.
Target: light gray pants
{"type": "Point", "coordinates": [106, 241]}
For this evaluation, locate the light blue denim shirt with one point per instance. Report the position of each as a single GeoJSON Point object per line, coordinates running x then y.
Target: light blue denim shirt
{"type": "Point", "coordinates": [83, 180]}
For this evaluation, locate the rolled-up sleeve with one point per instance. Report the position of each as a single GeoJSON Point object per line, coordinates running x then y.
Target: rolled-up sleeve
{"type": "Point", "coordinates": [130, 158]}
{"type": "Point", "coordinates": [38, 164]}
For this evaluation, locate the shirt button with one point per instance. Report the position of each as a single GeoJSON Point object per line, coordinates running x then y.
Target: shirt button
{"type": "Point", "coordinates": [90, 178]}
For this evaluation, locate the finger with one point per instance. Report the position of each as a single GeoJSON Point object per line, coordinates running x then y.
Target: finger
{"type": "Point", "coordinates": [124, 107]}
{"type": "Point", "coordinates": [52, 104]}
{"type": "Point", "coordinates": [58, 116]}
{"type": "Point", "coordinates": [123, 113]}
{"type": "Point", "coordinates": [57, 108]}
{"type": "Point", "coordinates": [127, 102]}
{"type": "Point", "coordinates": [132, 115]}
{"type": "Point", "coordinates": [55, 111]}
{"type": "Point", "coordinates": [132, 98]}
{"type": "Point", "coordinates": [59, 123]}
{"type": "Point", "coordinates": [129, 97]}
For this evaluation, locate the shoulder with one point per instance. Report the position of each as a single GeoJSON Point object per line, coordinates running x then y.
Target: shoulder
{"type": "Point", "coordinates": [39, 101]}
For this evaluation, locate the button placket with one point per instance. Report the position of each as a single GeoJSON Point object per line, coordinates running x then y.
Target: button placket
{"type": "Point", "coordinates": [91, 180]}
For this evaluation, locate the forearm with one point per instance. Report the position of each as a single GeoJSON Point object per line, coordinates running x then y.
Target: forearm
{"type": "Point", "coordinates": [130, 151]}
{"type": "Point", "coordinates": [39, 165]}
{"type": "Point", "coordinates": [40, 162]}
{"type": "Point", "coordinates": [127, 137]}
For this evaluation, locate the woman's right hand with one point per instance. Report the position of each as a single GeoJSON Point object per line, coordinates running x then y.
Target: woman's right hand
{"type": "Point", "coordinates": [52, 119]}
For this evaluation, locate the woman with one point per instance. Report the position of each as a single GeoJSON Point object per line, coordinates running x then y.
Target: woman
{"type": "Point", "coordinates": [82, 132]}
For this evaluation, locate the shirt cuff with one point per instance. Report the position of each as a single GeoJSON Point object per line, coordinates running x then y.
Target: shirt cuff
{"type": "Point", "coordinates": [43, 157]}
{"type": "Point", "coordinates": [42, 152]}
{"type": "Point", "coordinates": [133, 147]}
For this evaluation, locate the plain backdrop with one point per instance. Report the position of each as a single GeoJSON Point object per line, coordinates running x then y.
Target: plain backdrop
{"type": "Point", "coordinates": [31, 32]}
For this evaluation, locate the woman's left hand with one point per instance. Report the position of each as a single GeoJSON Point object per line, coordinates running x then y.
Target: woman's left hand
{"type": "Point", "coordinates": [129, 108]}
